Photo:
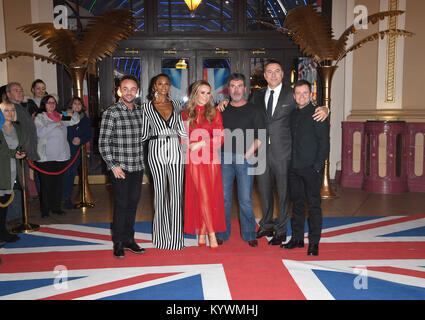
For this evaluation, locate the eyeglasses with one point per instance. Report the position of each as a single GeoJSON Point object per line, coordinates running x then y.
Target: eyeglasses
{"type": "Point", "coordinates": [50, 102]}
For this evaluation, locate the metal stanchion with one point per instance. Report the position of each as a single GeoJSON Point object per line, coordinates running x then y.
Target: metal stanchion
{"type": "Point", "coordinates": [25, 227]}
{"type": "Point", "coordinates": [85, 194]}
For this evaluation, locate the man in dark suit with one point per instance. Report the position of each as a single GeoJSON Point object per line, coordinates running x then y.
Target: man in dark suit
{"type": "Point", "coordinates": [278, 102]}
{"type": "Point", "coordinates": [310, 148]}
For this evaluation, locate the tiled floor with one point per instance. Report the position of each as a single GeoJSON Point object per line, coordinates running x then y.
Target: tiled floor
{"type": "Point", "coordinates": [350, 202]}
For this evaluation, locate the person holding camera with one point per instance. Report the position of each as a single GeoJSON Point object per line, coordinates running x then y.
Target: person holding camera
{"type": "Point", "coordinates": [54, 152]}
{"type": "Point", "coordinates": [11, 151]}
{"type": "Point", "coordinates": [78, 135]}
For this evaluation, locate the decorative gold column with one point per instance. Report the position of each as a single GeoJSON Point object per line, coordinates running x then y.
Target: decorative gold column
{"type": "Point", "coordinates": [391, 56]}
{"type": "Point", "coordinates": [326, 73]}
{"type": "Point", "coordinates": [86, 199]}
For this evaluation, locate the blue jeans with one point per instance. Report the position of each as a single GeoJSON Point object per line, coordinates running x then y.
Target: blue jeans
{"type": "Point", "coordinates": [234, 165]}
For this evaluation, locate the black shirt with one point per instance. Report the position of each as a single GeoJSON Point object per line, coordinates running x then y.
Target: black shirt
{"type": "Point", "coordinates": [310, 139]}
{"type": "Point", "coordinates": [241, 126]}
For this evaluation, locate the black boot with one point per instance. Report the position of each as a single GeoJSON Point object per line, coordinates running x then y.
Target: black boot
{"type": "Point", "coordinates": [119, 250]}
{"type": "Point", "coordinates": [293, 243]}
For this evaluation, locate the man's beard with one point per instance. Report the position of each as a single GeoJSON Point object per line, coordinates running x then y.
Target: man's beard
{"type": "Point", "coordinates": [128, 101]}
{"type": "Point", "coordinates": [237, 98]}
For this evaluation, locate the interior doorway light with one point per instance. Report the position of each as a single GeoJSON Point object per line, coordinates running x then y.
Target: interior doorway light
{"type": "Point", "coordinates": [181, 64]}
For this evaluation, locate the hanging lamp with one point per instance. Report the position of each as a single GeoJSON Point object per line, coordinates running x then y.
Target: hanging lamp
{"type": "Point", "coordinates": [192, 5]}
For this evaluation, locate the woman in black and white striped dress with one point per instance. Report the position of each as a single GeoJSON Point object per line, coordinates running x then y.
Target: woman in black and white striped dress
{"type": "Point", "coordinates": [163, 126]}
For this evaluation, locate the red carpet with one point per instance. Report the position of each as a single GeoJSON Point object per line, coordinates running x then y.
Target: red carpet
{"type": "Point", "coordinates": [373, 258]}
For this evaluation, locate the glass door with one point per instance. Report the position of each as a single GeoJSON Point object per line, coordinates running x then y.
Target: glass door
{"type": "Point", "coordinates": [215, 67]}
{"type": "Point", "coordinates": [178, 70]}
{"type": "Point", "coordinates": [180, 67]}
{"type": "Point", "coordinates": [257, 59]}
{"type": "Point", "coordinates": [125, 65]}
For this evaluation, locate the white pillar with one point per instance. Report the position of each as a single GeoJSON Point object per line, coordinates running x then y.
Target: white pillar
{"type": "Point", "coordinates": [338, 97]}
{"type": "Point", "coordinates": [42, 11]}
{"type": "Point", "coordinates": [3, 64]}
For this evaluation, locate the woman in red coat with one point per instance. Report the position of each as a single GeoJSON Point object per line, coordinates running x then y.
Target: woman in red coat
{"type": "Point", "coordinates": [204, 203]}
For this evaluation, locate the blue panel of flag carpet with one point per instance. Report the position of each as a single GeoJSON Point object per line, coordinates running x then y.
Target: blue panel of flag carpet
{"type": "Point", "coordinates": [34, 241]}
{"type": "Point", "coordinates": [173, 290]}
{"type": "Point", "coordinates": [415, 232]}
{"type": "Point", "coordinates": [342, 287]}
{"type": "Point", "coordinates": [10, 287]}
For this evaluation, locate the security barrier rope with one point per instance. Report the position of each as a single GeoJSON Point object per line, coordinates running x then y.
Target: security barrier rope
{"type": "Point", "coordinates": [32, 165]}
{"type": "Point", "coordinates": [8, 202]}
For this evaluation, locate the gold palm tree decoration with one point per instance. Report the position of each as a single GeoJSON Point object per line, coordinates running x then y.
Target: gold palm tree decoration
{"type": "Point", "coordinates": [99, 39]}
{"type": "Point", "coordinates": [311, 31]}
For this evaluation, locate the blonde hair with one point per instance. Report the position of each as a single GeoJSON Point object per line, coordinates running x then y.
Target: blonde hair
{"type": "Point", "coordinates": [209, 112]}
{"type": "Point", "coordinates": [3, 106]}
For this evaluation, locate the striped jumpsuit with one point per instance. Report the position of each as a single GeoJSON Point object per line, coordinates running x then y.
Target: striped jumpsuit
{"type": "Point", "coordinates": [166, 162]}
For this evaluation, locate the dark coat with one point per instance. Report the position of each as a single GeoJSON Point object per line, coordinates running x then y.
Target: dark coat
{"type": "Point", "coordinates": [30, 132]}
{"type": "Point", "coordinates": [279, 126]}
{"type": "Point", "coordinates": [81, 130]}
{"type": "Point", "coordinates": [5, 155]}
{"type": "Point", "coordinates": [310, 139]}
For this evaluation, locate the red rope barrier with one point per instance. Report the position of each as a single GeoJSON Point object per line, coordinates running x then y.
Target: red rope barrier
{"type": "Point", "coordinates": [32, 165]}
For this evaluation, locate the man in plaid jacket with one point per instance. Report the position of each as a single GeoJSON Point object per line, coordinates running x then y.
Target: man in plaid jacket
{"type": "Point", "coordinates": [120, 146]}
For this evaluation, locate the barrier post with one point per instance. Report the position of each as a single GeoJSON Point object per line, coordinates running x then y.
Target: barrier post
{"type": "Point", "coordinates": [85, 194]}
{"type": "Point", "coordinates": [25, 227]}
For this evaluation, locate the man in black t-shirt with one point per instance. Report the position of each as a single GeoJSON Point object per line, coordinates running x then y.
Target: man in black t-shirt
{"type": "Point", "coordinates": [244, 125]}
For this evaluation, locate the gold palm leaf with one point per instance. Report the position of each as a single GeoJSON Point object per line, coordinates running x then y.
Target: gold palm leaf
{"type": "Point", "coordinates": [279, 29]}
{"type": "Point", "coordinates": [15, 54]}
{"type": "Point", "coordinates": [311, 31]}
{"type": "Point", "coordinates": [373, 19]}
{"type": "Point", "coordinates": [103, 34]}
{"type": "Point", "coordinates": [61, 43]}
{"type": "Point", "coordinates": [375, 36]}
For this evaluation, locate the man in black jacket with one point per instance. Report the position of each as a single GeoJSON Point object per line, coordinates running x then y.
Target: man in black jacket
{"type": "Point", "coordinates": [310, 148]}
{"type": "Point", "coordinates": [277, 103]}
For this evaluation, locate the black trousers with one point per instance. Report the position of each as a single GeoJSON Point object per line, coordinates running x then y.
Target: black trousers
{"type": "Point", "coordinates": [126, 198]}
{"type": "Point", "coordinates": [51, 186]}
{"type": "Point", "coordinates": [278, 171]}
{"type": "Point", "coordinates": [3, 216]}
{"type": "Point", "coordinates": [305, 185]}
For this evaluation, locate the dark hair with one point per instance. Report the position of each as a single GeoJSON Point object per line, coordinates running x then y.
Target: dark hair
{"type": "Point", "coordinates": [71, 102]}
{"type": "Point", "coordinates": [236, 76]}
{"type": "Point", "coordinates": [3, 92]}
{"type": "Point", "coordinates": [12, 84]}
{"type": "Point", "coordinates": [44, 101]}
{"type": "Point", "coordinates": [273, 61]}
{"type": "Point", "coordinates": [151, 90]}
{"type": "Point", "coordinates": [129, 77]}
{"type": "Point", "coordinates": [35, 83]}
{"type": "Point", "coordinates": [302, 82]}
